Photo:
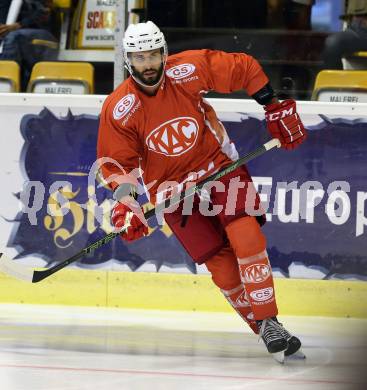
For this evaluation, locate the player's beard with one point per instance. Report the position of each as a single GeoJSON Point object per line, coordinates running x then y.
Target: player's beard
{"type": "Point", "coordinates": [148, 80]}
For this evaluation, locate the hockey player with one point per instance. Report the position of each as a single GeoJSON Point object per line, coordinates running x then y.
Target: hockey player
{"type": "Point", "coordinates": [158, 121]}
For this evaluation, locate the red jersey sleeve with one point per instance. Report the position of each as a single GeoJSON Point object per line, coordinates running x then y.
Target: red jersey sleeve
{"type": "Point", "coordinates": [120, 145]}
{"type": "Point", "coordinates": [227, 72]}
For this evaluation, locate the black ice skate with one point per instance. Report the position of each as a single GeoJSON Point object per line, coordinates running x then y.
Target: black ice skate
{"type": "Point", "coordinates": [294, 344]}
{"type": "Point", "coordinates": [272, 335]}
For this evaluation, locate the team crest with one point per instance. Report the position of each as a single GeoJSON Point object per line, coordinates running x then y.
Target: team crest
{"type": "Point", "coordinates": [174, 137]}
{"type": "Point", "coordinates": [256, 273]}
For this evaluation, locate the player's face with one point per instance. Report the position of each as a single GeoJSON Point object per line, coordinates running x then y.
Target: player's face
{"type": "Point", "coordinates": [147, 65]}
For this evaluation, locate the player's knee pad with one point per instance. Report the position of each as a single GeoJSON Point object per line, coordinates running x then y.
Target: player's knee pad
{"type": "Point", "coordinates": [246, 237]}
{"type": "Point", "coordinates": [224, 269]}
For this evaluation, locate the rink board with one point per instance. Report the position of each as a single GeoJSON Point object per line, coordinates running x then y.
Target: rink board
{"type": "Point", "coordinates": [53, 138]}
{"type": "Point", "coordinates": [164, 291]}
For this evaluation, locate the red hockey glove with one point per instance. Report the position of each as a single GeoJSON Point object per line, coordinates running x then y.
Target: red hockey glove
{"type": "Point", "coordinates": [122, 215]}
{"type": "Point", "coordinates": [284, 123]}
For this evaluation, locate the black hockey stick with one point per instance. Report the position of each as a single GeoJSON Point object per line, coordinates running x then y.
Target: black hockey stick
{"type": "Point", "coordinates": [18, 271]}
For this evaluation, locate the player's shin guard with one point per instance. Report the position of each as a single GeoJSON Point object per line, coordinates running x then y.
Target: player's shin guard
{"type": "Point", "coordinates": [249, 245]}
{"type": "Point", "coordinates": [257, 278]}
{"type": "Point", "coordinates": [238, 299]}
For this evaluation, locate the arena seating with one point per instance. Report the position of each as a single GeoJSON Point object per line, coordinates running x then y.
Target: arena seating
{"type": "Point", "coordinates": [357, 61]}
{"type": "Point", "coordinates": [341, 86]}
{"type": "Point", "coordinates": [9, 76]}
{"type": "Point", "coordinates": [62, 78]}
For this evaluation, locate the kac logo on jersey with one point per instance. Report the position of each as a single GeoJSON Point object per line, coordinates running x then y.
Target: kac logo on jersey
{"type": "Point", "coordinates": [174, 137]}
{"type": "Point", "coordinates": [180, 71]}
{"type": "Point", "coordinates": [256, 273]}
{"type": "Point", "coordinates": [123, 106]}
{"type": "Point", "coordinates": [242, 300]}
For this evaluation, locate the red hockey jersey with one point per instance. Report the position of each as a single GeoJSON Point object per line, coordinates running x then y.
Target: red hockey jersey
{"type": "Point", "coordinates": [176, 132]}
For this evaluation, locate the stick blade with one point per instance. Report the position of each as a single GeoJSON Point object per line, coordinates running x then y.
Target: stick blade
{"type": "Point", "coordinates": [18, 271]}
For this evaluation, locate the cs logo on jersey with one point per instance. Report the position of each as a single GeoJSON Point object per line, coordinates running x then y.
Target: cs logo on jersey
{"type": "Point", "coordinates": [123, 106]}
{"type": "Point", "coordinates": [180, 71]}
{"type": "Point", "coordinates": [174, 137]}
{"type": "Point", "coordinates": [262, 295]}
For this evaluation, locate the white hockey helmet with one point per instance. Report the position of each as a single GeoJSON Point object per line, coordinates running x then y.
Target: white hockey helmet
{"type": "Point", "coordinates": [143, 37]}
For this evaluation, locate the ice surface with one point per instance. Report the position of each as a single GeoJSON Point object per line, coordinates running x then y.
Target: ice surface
{"type": "Point", "coordinates": [50, 347]}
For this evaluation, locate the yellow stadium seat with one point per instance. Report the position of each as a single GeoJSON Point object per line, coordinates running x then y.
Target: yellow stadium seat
{"type": "Point", "coordinates": [45, 42]}
{"type": "Point", "coordinates": [64, 4]}
{"type": "Point", "coordinates": [9, 76]}
{"type": "Point", "coordinates": [361, 54]}
{"type": "Point", "coordinates": [348, 86]}
{"type": "Point", "coordinates": [356, 61]}
{"type": "Point", "coordinates": [62, 77]}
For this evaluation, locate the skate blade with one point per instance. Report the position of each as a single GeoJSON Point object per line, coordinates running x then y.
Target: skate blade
{"type": "Point", "coordinates": [298, 355]}
{"type": "Point", "coordinates": [278, 357]}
